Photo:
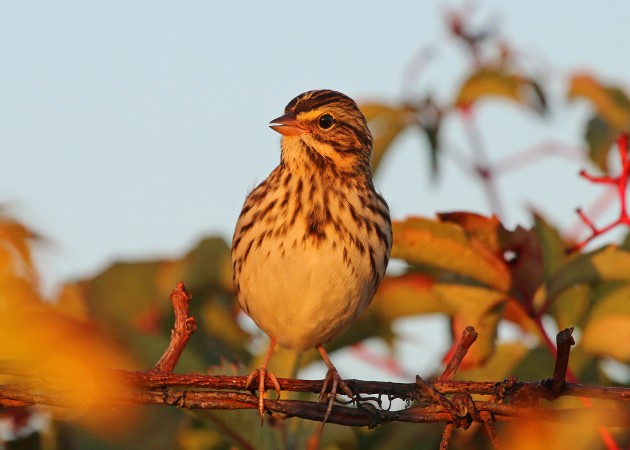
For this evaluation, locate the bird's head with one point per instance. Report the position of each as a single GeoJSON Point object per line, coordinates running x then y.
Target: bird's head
{"type": "Point", "coordinates": [328, 123]}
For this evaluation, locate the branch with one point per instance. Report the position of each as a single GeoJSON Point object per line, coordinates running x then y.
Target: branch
{"type": "Point", "coordinates": [184, 327]}
{"type": "Point", "coordinates": [343, 415]}
{"type": "Point", "coordinates": [443, 400]}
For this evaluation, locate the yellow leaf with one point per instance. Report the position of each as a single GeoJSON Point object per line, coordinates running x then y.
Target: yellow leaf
{"type": "Point", "coordinates": [69, 358]}
{"type": "Point", "coordinates": [607, 333]}
{"type": "Point", "coordinates": [386, 123]}
{"type": "Point", "coordinates": [445, 246]}
{"type": "Point", "coordinates": [612, 103]}
{"type": "Point", "coordinates": [480, 308]}
{"type": "Point", "coordinates": [487, 230]}
{"type": "Point", "coordinates": [219, 321]}
{"type": "Point", "coordinates": [607, 264]}
{"type": "Point", "coordinates": [540, 434]}
{"type": "Point", "coordinates": [407, 295]}
{"type": "Point", "coordinates": [413, 294]}
{"type": "Point", "coordinates": [199, 438]}
{"type": "Point", "coordinates": [498, 82]}
{"type": "Point", "coordinates": [71, 301]}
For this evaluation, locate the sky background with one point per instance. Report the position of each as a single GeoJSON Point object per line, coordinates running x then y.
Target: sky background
{"type": "Point", "coordinates": [131, 129]}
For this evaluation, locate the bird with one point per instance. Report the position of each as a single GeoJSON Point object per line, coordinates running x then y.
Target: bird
{"type": "Point", "coordinates": [313, 240]}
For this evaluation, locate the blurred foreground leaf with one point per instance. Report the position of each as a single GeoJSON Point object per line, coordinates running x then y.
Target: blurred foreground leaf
{"type": "Point", "coordinates": [66, 355]}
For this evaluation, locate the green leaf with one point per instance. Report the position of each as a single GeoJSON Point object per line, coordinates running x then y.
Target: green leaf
{"type": "Point", "coordinates": [570, 308]}
{"type": "Point", "coordinates": [607, 332]}
{"type": "Point", "coordinates": [125, 296]}
{"type": "Point", "coordinates": [600, 138]}
{"type": "Point", "coordinates": [207, 266]}
{"type": "Point", "coordinates": [218, 320]}
{"type": "Point", "coordinates": [552, 246]}
{"type": "Point", "coordinates": [386, 123]}
{"type": "Point", "coordinates": [607, 264]}
{"type": "Point", "coordinates": [429, 118]}
{"type": "Point", "coordinates": [156, 428]}
{"type": "Point", "coordinates": [445, 246]}
{"type": "Point", "coordinates": [500, 82]}
{"type": "Point", "coordinates": [536, 365]}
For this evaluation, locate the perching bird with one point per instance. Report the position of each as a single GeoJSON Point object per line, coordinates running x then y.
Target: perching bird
{"type": "Point", "coordinates": [313, 240]}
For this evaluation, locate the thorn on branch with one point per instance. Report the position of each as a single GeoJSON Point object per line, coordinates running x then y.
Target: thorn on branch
{"type": "Point", "coordinates": [469, 336]}
{"type": "Point", "coordinates": [564, 341]}
{"type": "Point", "coordinates": [586, 220]}
{"type": "Point", "coordinates": [184, 327]}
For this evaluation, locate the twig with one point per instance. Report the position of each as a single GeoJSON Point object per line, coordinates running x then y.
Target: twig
{"type": "Point", "coordinates": [446, 435]}
{"type": "Point", "coordinates": [564, 341]}
{"type": "Point", "coordinates": [184, 327]}
{"type": "Point", "coordinates": [469, 336]}
{"type": "Point", "coordinates": [488, 421]}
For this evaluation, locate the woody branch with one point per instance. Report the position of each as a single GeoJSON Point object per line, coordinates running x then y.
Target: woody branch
{"type": "Point", "coordinates": [441, 400]}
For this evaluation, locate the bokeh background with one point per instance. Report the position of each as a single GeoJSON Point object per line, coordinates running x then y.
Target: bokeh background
{"type": "Point", "coordinates": [132, 130]}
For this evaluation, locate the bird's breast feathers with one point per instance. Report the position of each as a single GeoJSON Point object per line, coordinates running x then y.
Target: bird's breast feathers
{"type": "Point", "coordinates": [311, 284]}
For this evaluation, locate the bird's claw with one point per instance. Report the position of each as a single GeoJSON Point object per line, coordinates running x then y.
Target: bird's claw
{"type": "Point", "coordinates": [334, 380]}
{"type": "Point", "coordinates": [261, 373]}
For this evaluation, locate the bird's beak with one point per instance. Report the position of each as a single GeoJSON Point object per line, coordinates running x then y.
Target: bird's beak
{"type": "Point", "coordinates": [287, 125]}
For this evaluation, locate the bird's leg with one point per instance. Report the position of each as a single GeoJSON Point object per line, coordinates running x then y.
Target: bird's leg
{"type": "Point", "coordinates": [261, 373]}
{"type": "Point", "coordinates": [332, 376]}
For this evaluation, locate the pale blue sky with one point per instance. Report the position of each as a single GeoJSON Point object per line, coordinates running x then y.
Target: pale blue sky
{"type": "Point", "coordinates": [130, 129]}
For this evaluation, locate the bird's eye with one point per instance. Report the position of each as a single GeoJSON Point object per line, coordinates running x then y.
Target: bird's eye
{"type": "Point", "coordinates": [326, 121]}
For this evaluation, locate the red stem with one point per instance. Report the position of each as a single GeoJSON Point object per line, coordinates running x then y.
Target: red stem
{"type": "Point", "coordinates": [621, 184]}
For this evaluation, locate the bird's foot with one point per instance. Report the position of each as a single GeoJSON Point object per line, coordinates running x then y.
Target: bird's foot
{"type": "Point", "coordinates": [261, 373]}
{"type": "Point", "coordinates": [334, 380]}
